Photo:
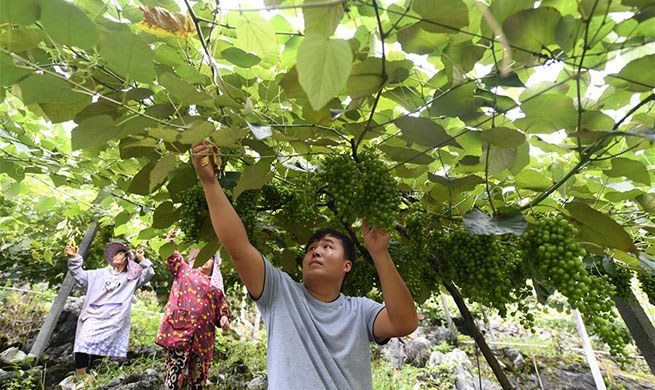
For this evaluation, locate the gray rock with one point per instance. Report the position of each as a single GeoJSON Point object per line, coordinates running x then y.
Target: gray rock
{"type": "Point", "coordinates": [258, 383]}
{"type": "Point", "coordinates": [515, 356]}
{"type": "Point", "coordinates": [463, 378]}
{"type": "Point", "coordinates": [149, 379]}
{"type": "Point", "coordinates": [61, 341]}
{"type": "Point", "coordinates": [5, 375]}
{"type": "Point", "coordinates": [452, 358]}
{"type": "Point", "coordinates": [436, 359]}
{"type": "Point", "coordinates": [12, 355]}
{"type": "Point", "coordinates": [394, 352]}
{"type": "Point", "coordinates": [565, 380]}
{"type": "Point", "coordinates": [417, 351]}
{"type": "Point", "coordinates": [436, 335]}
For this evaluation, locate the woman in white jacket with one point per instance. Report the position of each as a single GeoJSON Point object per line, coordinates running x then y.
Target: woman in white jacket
{"type": "Point", "coordinates": [103, 328]}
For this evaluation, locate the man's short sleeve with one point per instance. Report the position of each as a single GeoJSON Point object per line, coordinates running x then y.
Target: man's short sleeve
{"type": "Point", "coordinates": [371, 311]}
{"type": "Point", "coordinates": [272, 278]}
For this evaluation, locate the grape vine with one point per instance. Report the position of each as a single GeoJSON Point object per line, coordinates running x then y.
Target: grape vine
{"type": "Point", "coordinates": [193, 212]}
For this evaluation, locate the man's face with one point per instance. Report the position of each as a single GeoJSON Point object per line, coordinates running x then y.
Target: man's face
{"type": "Point", "coordinates": [325, 259]}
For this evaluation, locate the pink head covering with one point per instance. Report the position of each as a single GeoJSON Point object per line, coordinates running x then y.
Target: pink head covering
{"type": "Point", "coordinates": [217, 277]}
{"type": "Point", "coordinates": [133, 269]}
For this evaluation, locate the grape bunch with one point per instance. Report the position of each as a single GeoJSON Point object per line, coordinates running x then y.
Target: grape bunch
{"type": "Point", "coordinates": [551, 249]}
{"type": "Point", "coordinates": [301, 208]}
{"type": "Point", "coordinates": [647, 283]}
{"type": "Point", "coordinates": [361, 279]}
{"type": "Point", "coordinates": [193, 212]}
{"type": "Point", "coordinates": [341, 177]}
{"type": "Point", "coordinates": [361, 190]}
{"type": "Point", "coordinates": [478, 266]}
{"type": "Point", "coordinates": [621, 278]}
{"type": "Point", "coordinates": [246, 207]}
{"type": "Point", "coordinates": [379, 195]}
{"type": "Point", "coordinates": [412, 259]}
{"type": "Point", "coordinates": [275, 195]}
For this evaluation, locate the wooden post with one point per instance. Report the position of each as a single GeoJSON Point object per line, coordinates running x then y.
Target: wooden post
{"type": "Point", "coordinates": [43, 338]}
{"type": "Point", "coordinates": [640, 327]}
{"type": "Point", "coordinates": [449, 319]}
{"type": "Point", "coordinates": [589, 352]}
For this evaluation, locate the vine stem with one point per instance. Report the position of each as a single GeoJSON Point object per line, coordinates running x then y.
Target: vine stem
{"type": "Point", "coordinates": [555, 186]}
{"type": "Point", "coordinates": [84, 90]}
{"type": "Point", "coordinates": [477, 125]}
{"type": "Point", "coordinates": [536, 54]}
{"type": "Point", "coordinates": [579, 74]}
{"type": "Point", "coordinates": [498, 31]}
{"type": "Point", "coordinates": [216, 77]}
{"type": "Point", "coordinates": [383, 74]}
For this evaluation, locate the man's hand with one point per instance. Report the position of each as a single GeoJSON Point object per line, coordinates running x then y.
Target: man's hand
{"type": "Point", "coordinates": [376, 240]}
{"type": "Point", "coordinates": [71, 250]}
{"type": "Point", "coordinates": [206, 161]}
{"type": "Point", "coordinates": [140, 255]}
{"type": "Point", "coordinates": [225, 323]}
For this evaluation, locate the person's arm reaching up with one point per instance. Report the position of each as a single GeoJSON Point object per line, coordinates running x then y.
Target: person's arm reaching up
{"type": "Point", "coordinates": [227, 224]}
{"type": "Point", "coordinates": [75, 265]}
{"type": "Point", "coordinates": [399, 317]}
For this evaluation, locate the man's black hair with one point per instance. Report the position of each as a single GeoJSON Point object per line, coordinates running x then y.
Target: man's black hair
{"type": "Point", "coordinates": [347, 244]}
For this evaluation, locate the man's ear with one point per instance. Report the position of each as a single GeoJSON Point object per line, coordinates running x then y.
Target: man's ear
{"type": "Point", "coordinates": [348, 266]}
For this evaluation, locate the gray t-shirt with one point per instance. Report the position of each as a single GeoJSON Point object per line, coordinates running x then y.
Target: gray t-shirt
{"type": "Point", "coordinates": [312, 344]}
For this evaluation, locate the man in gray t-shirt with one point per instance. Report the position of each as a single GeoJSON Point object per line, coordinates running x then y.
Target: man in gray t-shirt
{"type": "Point", "coordinates": [317, 337]}
{"type": "Point", "coordinates": [301, 349]}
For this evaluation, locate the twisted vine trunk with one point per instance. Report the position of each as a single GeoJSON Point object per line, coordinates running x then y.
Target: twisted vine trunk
{"type": "Point", "coordinates": [478, 337]}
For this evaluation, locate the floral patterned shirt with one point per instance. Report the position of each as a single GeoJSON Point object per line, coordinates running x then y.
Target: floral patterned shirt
{"type": "Point", "coordinates": [193, 311]}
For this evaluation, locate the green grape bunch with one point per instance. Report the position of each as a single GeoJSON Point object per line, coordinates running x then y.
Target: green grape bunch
{"type": "Point", "coordinates": [379, 195]}
{"type": "Point", "coordinates": [550, 248]}
{"type": "Point", "coordinates": [477, 265]}
{"type": "Point", "coordinates": [341, 177]}
{"type": "Point", "coordinates": [275, 195]}
{"type": "Point", "coordinates": [412, 259]}
{"type": "Point", "coordinates": [621, 278]}
{"type": "Point", "coordinates": [193, 212]}
{"type": "Point", "coordinates": [361, 279]}
{"type": "Point", "coordinates": [246, 207]}
{"type": "Point", "coordinates": [361, 189]}
{"type": "Point", "coordinates": [647, 283]}
{"type": "Point", "coordinates": [301, 207]}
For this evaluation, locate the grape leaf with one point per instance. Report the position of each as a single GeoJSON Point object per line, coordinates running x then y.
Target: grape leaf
{"type": "Point", "coordinates": [323, 68]}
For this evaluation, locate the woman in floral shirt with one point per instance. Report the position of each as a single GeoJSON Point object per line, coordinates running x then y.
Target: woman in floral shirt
{"type": "Point", "coordinates": [196, 305]}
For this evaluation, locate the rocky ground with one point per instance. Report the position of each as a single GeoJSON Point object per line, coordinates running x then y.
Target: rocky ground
{"type": "Point", "coordinates": [436, 350]}
{"type": "Point", "coordinates": [456, 363]}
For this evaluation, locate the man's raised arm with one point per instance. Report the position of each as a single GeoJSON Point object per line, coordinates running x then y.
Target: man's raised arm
{"type": "Point", "coordinates": [227, 224]}
{"type": "Point", "coordinates": [399, 317]}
